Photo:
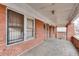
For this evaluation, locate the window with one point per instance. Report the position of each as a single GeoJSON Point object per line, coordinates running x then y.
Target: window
{"type": "Point", "coordinates": [76, 27]}
{"type": "Point", "coordinates": [15, 27]}
{"type": "Point", "coordinates": [61, 29]}
{"type": "Point", "coordinates": [61, 32]}
{"type": "Point", "coordinates": [30, 28]}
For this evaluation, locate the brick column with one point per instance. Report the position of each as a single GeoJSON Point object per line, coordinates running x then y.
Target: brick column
{"type": "Point", "coordinates": [70, 31]}
{"type": "Point", "coordinates": [2, 27]}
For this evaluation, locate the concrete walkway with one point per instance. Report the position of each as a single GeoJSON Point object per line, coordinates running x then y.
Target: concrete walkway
{"type": "Point", "coordinates": [53, 47]}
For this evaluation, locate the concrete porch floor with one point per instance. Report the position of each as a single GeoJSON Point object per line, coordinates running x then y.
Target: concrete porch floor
{"type": "Point", "coordinates": [53, 47]}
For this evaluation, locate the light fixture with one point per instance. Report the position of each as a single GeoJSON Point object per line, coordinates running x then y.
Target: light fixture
{"type": "Point", "coordinates": [53, 12]}
{"type": "Point", "coordinates": [52, 3]}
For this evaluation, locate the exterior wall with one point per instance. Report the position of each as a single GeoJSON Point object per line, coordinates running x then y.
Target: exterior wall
{"type": "Point", "coordinates": [70, 31]}
{"type": "Point", "coordinates": [52, 32]}
{"type": "Point", "coordinates": [2, 27]}
{"type": "Point", "coordinates": [16, 49]}
{"type": "Point", "coordinates": [70, 35]}
{"type": "Point", "coordinates": [46, 31]}
{"type": "Point", "coordinates": [55, 31]}
{"type": "Point", "coordinates": [49, 31]}
{"type": "Point", "coordinates": [22, 46]}
{"type": "Point", "coordinates": [39, 30]}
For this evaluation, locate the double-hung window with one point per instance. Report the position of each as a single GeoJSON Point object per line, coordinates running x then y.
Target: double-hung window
{"type": "Point", "coordinates": [30, 28]}
{"type": "Point", "coordinates": [15, 27]}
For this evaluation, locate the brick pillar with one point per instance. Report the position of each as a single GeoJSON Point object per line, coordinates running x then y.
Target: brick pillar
{"type": "Point", "coordinates": [70, 31]}
{"type": "Point", "coordinates": [2, 27]}
{"type": "Point", "coordinates": [55, 31]}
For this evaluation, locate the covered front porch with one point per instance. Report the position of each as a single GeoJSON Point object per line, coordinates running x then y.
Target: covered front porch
{"type": "Point", "coordinates": [53, 47]}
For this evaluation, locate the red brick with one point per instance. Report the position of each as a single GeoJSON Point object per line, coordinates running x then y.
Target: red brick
{"type": "Point", "coordinates": [70, 31]}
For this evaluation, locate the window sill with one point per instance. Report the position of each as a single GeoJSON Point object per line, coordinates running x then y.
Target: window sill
{"type": "Point", "coordinates": [29, 39]}
{"type": "Point", "coordinates": [25, 40]}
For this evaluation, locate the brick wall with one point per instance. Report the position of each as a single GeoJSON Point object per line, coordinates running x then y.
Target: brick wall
{"type": "Point", "coordinates": [2, 27]}
{"type": "Point", "coordinates": [18, 48]}
{"type": "Point", "coordinates": [70, 35]}
{"type": "Point", "coordinates": [24, 45]}
{"type": "Point", "coordinates": [70, 31]}
{"type": "Point", "coordinates": [39, 29]}
{"type": "Point", "coordinates": [53, 32]}
{"type": "Point", "coordinates": [75, 42]}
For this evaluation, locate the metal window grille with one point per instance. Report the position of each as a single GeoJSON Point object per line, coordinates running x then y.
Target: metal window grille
{"type": "Point", "coordinates": [15, 27]}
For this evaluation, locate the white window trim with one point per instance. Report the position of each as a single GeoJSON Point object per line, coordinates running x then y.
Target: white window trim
{"type": "Point", "coordinates": [32, 18]}
{"type": "Point", "coordinates": [24, 29]}
{"type": "Point", "coordinates": [7, 27]}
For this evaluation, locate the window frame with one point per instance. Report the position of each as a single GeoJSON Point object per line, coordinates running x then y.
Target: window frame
{"type": "Point", "coordinates": [33, 19]}
{"type": "Point", "coordinates": [61, 29]}
{"type": "Point", "coordinates": [25, 24]}
{"type": "Point", "coordinates": [74, 19]}
{"type": "Point", "coordinates": [7, 27]}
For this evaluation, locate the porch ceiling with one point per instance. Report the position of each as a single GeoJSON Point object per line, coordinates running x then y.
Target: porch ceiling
{"type": "Point", "coordinates": [58, 13]}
